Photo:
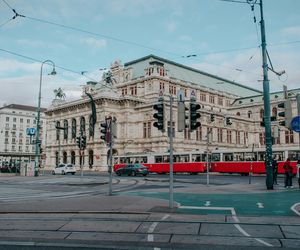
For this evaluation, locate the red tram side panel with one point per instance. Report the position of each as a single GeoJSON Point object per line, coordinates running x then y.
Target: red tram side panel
{"type": "Point", "coordinates": [178, 167]}
{"type": "Point", "coordinates": [238, 167]}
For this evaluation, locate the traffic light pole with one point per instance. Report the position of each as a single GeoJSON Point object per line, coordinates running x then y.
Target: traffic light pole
{"type": "Point", "coordinates": [110, 159]}
{"type": "Point", "coordinates": [266, 95]}
{"type": "Point", "coordinates": [171, 190]}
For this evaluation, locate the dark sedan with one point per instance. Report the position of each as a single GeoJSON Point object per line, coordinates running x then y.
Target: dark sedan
{"type": "Point", "coordinates": [133, 170]}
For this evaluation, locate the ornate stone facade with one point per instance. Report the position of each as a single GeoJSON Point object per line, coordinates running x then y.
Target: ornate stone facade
{"type": "Point", "coordinates": [128, 92]}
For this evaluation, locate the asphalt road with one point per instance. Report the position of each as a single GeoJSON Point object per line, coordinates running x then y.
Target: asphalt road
{"type": "Point", "coordinates": [70, 212]}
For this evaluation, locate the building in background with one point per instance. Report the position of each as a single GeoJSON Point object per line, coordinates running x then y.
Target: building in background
{"type": "Point", "coordinates": [128, 93]}
{"type": "Point", "coordinates": [15, 144]}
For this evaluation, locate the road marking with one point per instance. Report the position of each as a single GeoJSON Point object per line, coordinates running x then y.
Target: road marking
{"type": "Point", "coordinates": [235, 218]}
{"type": "Point", "coordinates": [152, 228]}
{"type": "Point", "coordinates": [207, 203]}
{"type": "Point", "coordinates": [260, 205]}
{"type": "Point", "coordinates": [293, 208]}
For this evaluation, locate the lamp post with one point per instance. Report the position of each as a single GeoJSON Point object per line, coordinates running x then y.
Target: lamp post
{"type": "Point", "coordinates": [37, 138]}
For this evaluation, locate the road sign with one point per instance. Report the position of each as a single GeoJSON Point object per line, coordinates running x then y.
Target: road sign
{"type": "Point", "coordinates": [30, 131]}
{"type": "Point", "coordinates": [295, 124]}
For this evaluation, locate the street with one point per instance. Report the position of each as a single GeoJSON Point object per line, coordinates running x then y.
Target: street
{"type": "Point", "coordinates": [76, 212]}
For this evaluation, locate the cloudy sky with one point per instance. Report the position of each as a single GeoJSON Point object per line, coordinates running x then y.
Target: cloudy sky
{"type": "Point", "coordinates": [88, 35]}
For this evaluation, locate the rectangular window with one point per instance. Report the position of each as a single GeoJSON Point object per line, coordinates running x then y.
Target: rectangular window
{"type": "Point", "coordinates": [28, 121]}
{"type": "Point", "coordinates": [124, 91]}
{"type": "Point", "coordinates": [289, 137]}
{"type": "Point", "coordinates": [146, 129]}
{"type": "Point", "coordinates": [262, 138]}
{"type": "Point", "coordinates": [14, 119]}
{"type": "Point", "coordinates": [199, 134]}
{"type": "Point", "coordinates": [238, 137]}
{"type": "Point", "coordinates": [7, 119]}
{"type": "Point", "coordinates": [220, 135]}
{"type": "Point", "coordinates": [229, 136]}
{"type": "Point", "coordinates": [211, 99]}
{"type": "Point", "coordinates": [220, 101]}
{"type": "Point", "coordinates": [6, 133]}
{"type": "Point", "coordinates": [162, 86]}
{"type": "Point", "coordinates": [172, 89]}
{"type": "Point", "coordinates": [245, 138]}
{"type": "Point", "coordinates": [202, 97]}
{"type": "Point", "coordinates": [187, 134]}
{"type": "Point", "coordinates": [21, 120]}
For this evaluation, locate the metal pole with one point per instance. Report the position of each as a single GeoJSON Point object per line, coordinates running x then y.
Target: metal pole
{"type": "Point", "coordinates": [171, 191]}
{"type": "Point", "coordinates": [266, 94]}
{"type": "Point", "coordinates": [37, 138]}
{"type": "Point", "coordinates": [110, 158]}
{"type": "Point", "coordinates": [298, 108]}
{"type": "Point", "coordinates": [207, 160]}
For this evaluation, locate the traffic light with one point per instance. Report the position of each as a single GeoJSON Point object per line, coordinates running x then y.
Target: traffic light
{"type": "Point", "coordinates": [41, 150]}
{"type": "Point", "coordinates": [286, 114]}
{"type": "Point", "coordinates": [228, 121]}
{"type": "Point", "coordinates": [78, 141]}
{"type": "Point", "coordinates": [159, 107]}
{"type": "Point", "coordinates": [212, 117]}
{"type": "Point", "coordinates": [104, 131]}
{"type": "Point", "coordinates": [194, 115]}
{"type": "Point", "coordinates": [83, 142]}
{"type": "Point", "coordinates": [182, 116]}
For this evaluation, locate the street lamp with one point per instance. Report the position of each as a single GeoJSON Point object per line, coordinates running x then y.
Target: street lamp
{"type": "Point", "coordinates": [37, 138]}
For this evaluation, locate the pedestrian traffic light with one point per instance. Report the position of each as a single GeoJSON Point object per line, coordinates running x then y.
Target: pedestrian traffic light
{"type": "Point", "coordinates": [182, 116]}
{"type": "Point", "coordinates": [286, 113]}
{"type": "Point", "coordinates": [78, 141]}
{"type": "Point", "coordinates": [159, 107]}
{"type": "Point", "coordinates": [212, 117]}
{"type": "Point", "coordinates": [194, 115]}
{"type": "Point", "coordinates": [83, 142]}
{"type": "Point", "coordinates": [228, 121]}
{"type": "Point", "coordinates": [104, 131]}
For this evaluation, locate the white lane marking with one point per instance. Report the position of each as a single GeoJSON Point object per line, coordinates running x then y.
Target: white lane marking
{"type": "Point", "coordinates": [152, 228]}
{"type": "Point", "coordinates": [293, 208]}
{"type": "Point", "coordinates": [260, 205]}
{"type": "Point", "coordinates": [207, 203]}
{"type": "Point", "coordinates": [235, 218]}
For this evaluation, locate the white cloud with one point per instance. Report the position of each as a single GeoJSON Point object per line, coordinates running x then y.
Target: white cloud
{"type": "Point", "coordinates": [95, 43]}
{"type": "Point", "coordinates": [293, 31]}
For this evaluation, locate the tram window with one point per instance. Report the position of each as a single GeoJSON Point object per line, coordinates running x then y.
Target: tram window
{"type": "Point", "coordinates": [196, 158]}
{"type": "Point", "coordinates": [184, 158]}
{"type": "Point", "coordinates": [158, 159]}
{"type": "Point", "coordinates": [278, 155]}
{"type": "Point", "coordinates": [239, 157]}
{"type": "Point", "coordinates": [216, 157]}
{"type": "Point", "coordinates": [261, 156]}
{"type": "Point", "coordinates": [293, 155]}
{"type": "Point", "coordinates": [249, 156]}
{"type": "Point", "coordinates": [228, 156]}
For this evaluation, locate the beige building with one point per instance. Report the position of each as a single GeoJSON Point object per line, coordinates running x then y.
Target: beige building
{"type": "Point", "coordinates": [15, 144]}
{"type": "Point", "coordinates": [130, 96]}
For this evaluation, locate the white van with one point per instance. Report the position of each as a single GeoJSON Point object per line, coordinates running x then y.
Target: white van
{"type": "Point", "coordinates": [64, 169]}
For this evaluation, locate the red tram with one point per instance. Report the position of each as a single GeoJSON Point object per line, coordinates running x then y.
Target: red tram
{"type": "Point", "coordinates": [240, 162]}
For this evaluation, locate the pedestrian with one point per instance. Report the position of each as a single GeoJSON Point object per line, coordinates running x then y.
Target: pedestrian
{"type": "Point", "coordinates": [298, 171]}
{"type": "Point", "coordinates": [288, 170]}
{"type": "Point", "coordinates": [275, 170]}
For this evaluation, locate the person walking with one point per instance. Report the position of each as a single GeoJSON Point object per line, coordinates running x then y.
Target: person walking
{"type": "Point", "coordinates": [288, 170]}
{"type": "Point", "coordinates": [298, 171]}
{"type": "Point", "coordinates": [275, 170]}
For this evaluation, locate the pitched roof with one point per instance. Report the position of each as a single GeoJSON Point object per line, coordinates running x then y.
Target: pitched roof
{"type": "Point", "coordinates": [22, 107]}
{"type": "Point", "coordinates": [192, 75]}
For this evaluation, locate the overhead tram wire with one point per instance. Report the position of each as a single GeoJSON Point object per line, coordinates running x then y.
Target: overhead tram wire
{"type": "Point", "coordinates": [57, 66]}
{"type": "Point", "coordinates": [6, 22]}
{"type": "Point", "coordinates": [89, 32]}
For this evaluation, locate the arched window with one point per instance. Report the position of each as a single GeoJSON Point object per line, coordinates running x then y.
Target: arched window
{"type": "Point", "coordinates": [261, 113]}
{"type": "Point", "coordinates": [73, 157]}
{"type": "Point", "coordinates": [274, 111]}
{"type": "Point", "coordinates": [91, 158]}
{"type": "Point", "coordinates": [249, 114]}
{"type": "Point", "coordinates": [73, 128]}
{"type": "Point", "coordinates": [65, 129]}
{"type": "Point", "coordinates": [82, 125]}
{"type": "Point", "coordinates": [65, 157]}
{"type": "Point", "coordinates": [57, 130]}
{"type": "Point", "coordinates": [91, 127]}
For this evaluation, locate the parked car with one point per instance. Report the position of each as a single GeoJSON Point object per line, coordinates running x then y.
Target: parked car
{"type": "Point", "coordinates": [64, 169]}
{"type": "Point", "coordinates": [133, 170]}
